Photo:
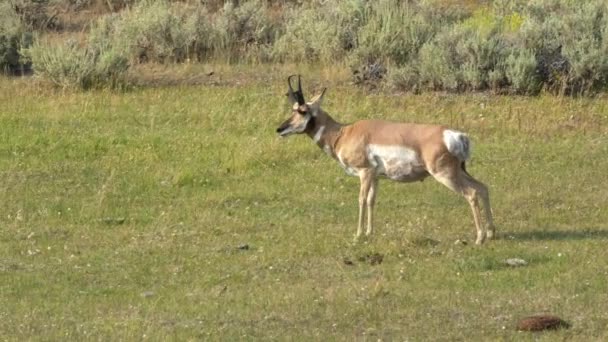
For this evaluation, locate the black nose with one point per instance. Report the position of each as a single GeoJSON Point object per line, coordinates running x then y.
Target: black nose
{"type": "Point", "coordinates": [282, 127]}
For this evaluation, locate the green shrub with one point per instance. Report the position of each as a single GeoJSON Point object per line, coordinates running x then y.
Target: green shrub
{"type": "Point", "coordinates": [73, 66]}
{"type": "Point", "coordinates": [161, 31]}
{"type": "Point", "coordinates": [13, 37]}
{"type": "Point", "coordinates": [404, 77]}
{"type": "Point", "coordinates": [245, 31]}
{"type": "Point", "coordinates": [393, 31]}
{"type": "Point", "coordinates": [111, 5]}
{"type": "Point", "coordinates": [36, 14]}
{"type": "Point", "coordinates": [585, 46]}
{"type": "Point", "coordinates": [521, 72]}
{"type": "Point", "coordinates": [150, 31]}
{"type": "Point", "coordinates": [199, 26]}
{"type": "Point", "coordinates": [478, 48]}
{"type": "Point", "coordinates": [323, 32]}
{"type": "Point", "coordinates": [570, 41]}
{"type": "Point", "coordinates": [436, 70]}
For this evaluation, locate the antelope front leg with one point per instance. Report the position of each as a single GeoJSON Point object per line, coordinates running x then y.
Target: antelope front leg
{"type": "Point", "coordinates": [367, 179]}
{"type": "Point", "coordinates": [371, 199]}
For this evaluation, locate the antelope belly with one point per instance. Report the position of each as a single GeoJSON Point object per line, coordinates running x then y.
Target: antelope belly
{"type": "Point", "coordinates": [396, 162]}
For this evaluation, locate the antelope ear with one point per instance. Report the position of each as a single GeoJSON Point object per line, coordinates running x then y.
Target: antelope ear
{"type": "Point", "coordinates": [316, 101]}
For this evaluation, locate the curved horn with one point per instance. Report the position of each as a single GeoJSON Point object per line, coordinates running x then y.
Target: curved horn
{"type": "Point", "coordinates": [296, 95]}
{"type": "Point", "coordinates": [300, 93]}
{"type": "Point", "coordinates": [289, 83]}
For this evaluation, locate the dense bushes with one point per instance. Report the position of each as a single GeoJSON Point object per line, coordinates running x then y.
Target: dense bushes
{"type": "Point", "coordinates": [515, 46]}
{"type": "Point", "coordinates": [511, 46]}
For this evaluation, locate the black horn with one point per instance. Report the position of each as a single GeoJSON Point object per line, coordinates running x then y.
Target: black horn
{"type": "Point", "coordinates": [297, 95]}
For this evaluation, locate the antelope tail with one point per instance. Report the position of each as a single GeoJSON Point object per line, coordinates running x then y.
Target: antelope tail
{"type": "Point", "coordinates": [458, 144]}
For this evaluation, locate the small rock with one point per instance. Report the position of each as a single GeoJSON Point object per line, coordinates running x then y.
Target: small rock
{"type": "Point", "coordinates": [373, 259]}
{"type": "Point", "coordinates": [541, 322]}
{"type": "Point", "coordinates": [348, 262]}
{"type": "Point", "coordinates": [515, 262]}
{"type": "Point", "coordinates": [243, 247]}
{"type": "Point", "coordinates": [147, 294]}
{"type": "Point", "coordinates": [460, 242]}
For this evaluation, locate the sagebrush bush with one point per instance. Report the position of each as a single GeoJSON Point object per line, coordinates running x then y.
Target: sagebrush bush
{"type": "Point", "coordinates": [35, 14]}
{"type": "Point", "coordinates": [521, 72]}
{"type": "Point", "coordinates": [204, 38]}
{"type": "Point", "coordinates": [14, 36]}
{"type": "Point", "coordinates": [161, 31]}
{"type": "Point", "coordinates": [324, 32]}
{"type": "Point", "coordinates": [247, 30]}
{"type": "Point", "coordinates": [392, 33]}
{"type": "Point", "coordinates": [585, 46]}
{"type": "Point", "coordinates": [149, 31]}
{"type": "Point", "coordinates": [463, 56]}
{"type": "Point", "coordinates": [569, 40]}
{"type": "Point", "coordinates": [404, 77]}
{"type": "Point", "coordinates": [73, 66]}
{"type": "Point", "coordinates": [435, 68]}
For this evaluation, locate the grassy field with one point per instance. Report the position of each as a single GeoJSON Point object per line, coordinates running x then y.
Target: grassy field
{"type": "Point", "coordinates": [122, 216]}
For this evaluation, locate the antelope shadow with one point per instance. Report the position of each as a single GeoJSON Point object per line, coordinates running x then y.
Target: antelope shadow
{"type": "Point", "coordinates": [552, 234]}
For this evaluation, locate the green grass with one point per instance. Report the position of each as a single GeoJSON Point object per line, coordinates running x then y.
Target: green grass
{"type": "Point", "coordinates": [122, 214]}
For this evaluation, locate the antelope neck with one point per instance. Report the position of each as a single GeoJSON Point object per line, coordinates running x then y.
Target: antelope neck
{"type": "Point", "coordinates": [325, 131]}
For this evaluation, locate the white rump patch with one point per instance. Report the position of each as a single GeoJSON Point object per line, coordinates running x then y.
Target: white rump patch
{"type": "Point", "coordinates": [457, 143]}
{"type": "Point", "coordinates": [319, 134]}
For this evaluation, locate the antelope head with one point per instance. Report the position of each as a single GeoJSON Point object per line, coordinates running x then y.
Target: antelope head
{"type": "Point", "coordinates": [302, 112]}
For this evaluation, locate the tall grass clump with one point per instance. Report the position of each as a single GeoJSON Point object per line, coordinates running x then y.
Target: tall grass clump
{"type": "Point", "coordinates": [14, 35]}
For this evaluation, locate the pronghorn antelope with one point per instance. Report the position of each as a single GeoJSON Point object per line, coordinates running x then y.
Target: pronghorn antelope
{"type": "Point", "coordinates": [403, 152]}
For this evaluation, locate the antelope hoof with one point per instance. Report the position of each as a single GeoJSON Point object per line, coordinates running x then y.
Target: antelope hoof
{"type": "Point", "coordinates": [360, 239]}
{"type": "Point", "coordinates": [479, 240]}
{"type": "Point", "coordinates": [491, 234]}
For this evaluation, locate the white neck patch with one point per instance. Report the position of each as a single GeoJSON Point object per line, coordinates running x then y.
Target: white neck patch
{"type": "Point", "coordinates": [318, 134]}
